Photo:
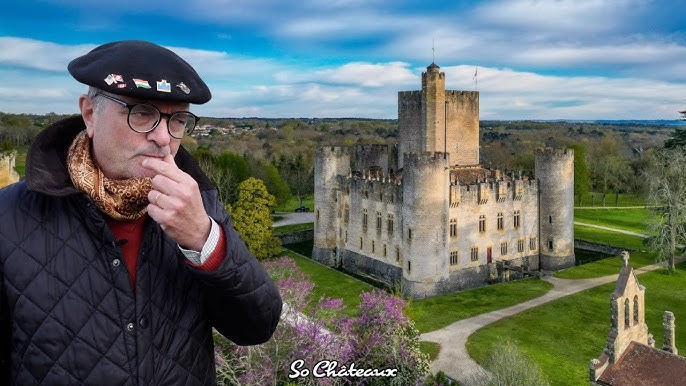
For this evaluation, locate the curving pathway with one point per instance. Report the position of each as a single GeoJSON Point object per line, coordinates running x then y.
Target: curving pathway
{"type": "Point", "coordinates": [453, 359]}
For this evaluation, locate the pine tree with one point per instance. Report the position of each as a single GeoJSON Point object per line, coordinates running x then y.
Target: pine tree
{"type": "Point", "coordinates": [252, 220]}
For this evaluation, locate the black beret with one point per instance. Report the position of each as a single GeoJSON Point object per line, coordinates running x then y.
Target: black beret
{"type": "Point", "coordinates": [140, 69]}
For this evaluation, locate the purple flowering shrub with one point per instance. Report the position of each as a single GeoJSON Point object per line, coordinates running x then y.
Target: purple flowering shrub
{"type": "Point", "coordinates": [379, 337]}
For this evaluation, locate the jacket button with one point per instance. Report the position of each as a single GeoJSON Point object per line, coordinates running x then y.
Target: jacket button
{"type": "Point", "coordinates": [116, 262]}
{"type": "Point", "coordinates": [143, 322]}
{"type": "Point", "coordinates": [130, 327]}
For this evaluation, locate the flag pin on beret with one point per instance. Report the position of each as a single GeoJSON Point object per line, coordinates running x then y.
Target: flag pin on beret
{"type": "Point", "coordinates": [140, 69]}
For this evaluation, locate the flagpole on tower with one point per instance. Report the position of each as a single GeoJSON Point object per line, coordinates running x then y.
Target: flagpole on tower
{"type": "Point", "coordinates": [476, 79]}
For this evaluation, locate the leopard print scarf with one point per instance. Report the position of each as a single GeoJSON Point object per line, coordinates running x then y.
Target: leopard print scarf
{"type": "Point", "coordinates": [123, 200]}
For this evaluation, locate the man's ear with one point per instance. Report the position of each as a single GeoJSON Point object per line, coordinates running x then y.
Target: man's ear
{"type": "Point", "coordinates": [87, 113]}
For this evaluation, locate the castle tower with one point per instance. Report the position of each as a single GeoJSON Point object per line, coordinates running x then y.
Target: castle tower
{"type": "Point", "coordinates": [330, 162]}
{"type": "Point", "coordinates": [555, 175]}
{"type": "Point", "coordinates": [424, 258]}
{"type": "Point", "coordinates": [439, 120]}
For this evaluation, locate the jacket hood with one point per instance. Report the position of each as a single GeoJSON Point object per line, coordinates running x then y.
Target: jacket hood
{"type": "Point", "coordinates": [46, 161]}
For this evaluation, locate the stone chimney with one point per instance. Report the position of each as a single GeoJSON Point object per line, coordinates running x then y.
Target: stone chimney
{"type": "Point", "coordinates": [669, 344]}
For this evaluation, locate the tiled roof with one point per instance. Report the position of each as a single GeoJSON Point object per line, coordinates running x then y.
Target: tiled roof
{"type": "Point", "coordinates": [642, 365]}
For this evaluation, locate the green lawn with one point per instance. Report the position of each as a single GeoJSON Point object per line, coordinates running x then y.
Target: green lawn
{"type": "Point", "coordinates": [633, 220]}
{"type": "Point", "coordinates": [564, 335]}
{"type": "Point", "coordinates": [608, 237]}
{"type": "Point", "coordinates": [439, 311]}
{"type": "Point", "coordinates": [331, 283]}
{"type": "Point", "coordinates": [293, 203]}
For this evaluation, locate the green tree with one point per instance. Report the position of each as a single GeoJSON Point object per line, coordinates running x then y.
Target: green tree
{"type": "Point", "coordinates": [667, 198]}
{"type": "Point", "coordinates": [298, 172]}
{"type": "Point", "coordinates": [582, 178]}
{"type": "Point", "coordinates": [268, 173]}
{"type": "Point", "coordinates": [252, 220]}
{"type": "Point", "coordinates": [508, 366]}
{"type": "Point", "coordinates": [235, 163]}
{"type": "Point", "coordinates": [678, 138]}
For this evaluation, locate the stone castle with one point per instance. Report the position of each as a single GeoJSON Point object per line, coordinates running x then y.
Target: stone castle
{"type": "Point", "coordinates": [426, 216]}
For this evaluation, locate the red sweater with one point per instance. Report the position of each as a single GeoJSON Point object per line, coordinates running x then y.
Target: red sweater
{"type": "Point", "coordinates": [132, 232]}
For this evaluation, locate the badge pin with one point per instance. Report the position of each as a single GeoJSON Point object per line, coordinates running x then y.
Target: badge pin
{"type": "Point", "coordinates": [122, 85]}
{"type": "Point", "coordinates": [113, 78]}
{"type": "Point", "coordinates": [184, 88]}
{"type": "Point", "coordinates": [141, 83]}
{"type": "Point", "coordinates": [163, 86]}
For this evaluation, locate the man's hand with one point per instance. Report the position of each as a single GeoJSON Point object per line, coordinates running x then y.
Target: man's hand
{"type": "Point", "coordinates": [176, 205]}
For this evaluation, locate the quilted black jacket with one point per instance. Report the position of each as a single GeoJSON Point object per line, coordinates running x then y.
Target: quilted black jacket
{"type": "Point", "coordinates": [68, 315]}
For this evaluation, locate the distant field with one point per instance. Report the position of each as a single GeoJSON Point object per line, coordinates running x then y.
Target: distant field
{"type": "Point", "coordinates": [596, 199]}
{"type": "Point", "coordinates": [20, 162]}
{"type": "Point", "coordinates": [633, 220]}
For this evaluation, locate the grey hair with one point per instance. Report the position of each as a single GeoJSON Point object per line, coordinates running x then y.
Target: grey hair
{"type": "Point", "coordinates": [96, 101]}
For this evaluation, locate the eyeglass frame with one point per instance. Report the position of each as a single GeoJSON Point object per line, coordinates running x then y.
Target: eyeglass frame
{"type": "Point", "coordinates": [131, 106]}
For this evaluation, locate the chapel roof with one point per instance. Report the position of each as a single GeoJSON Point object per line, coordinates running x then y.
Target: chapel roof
{"type": "Point", "coordinates": [642, 365]}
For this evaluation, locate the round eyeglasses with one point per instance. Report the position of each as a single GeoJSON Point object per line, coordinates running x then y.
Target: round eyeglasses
{"type": "Point", "coordinates": [144, 118]}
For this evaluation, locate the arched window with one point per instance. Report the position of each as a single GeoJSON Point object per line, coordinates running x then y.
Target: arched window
{"type": "Point", "coordinates": [636, 309]}
{"type": "Point", "coordinates": [627, 312]}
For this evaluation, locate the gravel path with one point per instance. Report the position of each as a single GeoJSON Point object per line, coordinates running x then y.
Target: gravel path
{"type": "Point", "coordinates": [453, 358]}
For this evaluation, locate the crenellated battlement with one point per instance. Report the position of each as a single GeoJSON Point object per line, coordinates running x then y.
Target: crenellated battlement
{"type": "Point", "coordinates": [462, 93]}
{"type": "Point", "coordinates": [554, 152]}
{"type": "Point", "coordinates": [333, 150]}
{"type": "Point", "coordinates": [413, 93]}
{"type": "Point", "coordinates": [424, 159]}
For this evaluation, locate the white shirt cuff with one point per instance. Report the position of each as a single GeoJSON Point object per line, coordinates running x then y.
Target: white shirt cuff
{"type": "Point", "coordinates": [198, 258]}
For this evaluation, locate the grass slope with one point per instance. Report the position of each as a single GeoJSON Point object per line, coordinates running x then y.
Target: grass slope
{"type": "Point", "coordinates": [633, 220]}
{"type": "Point", "coordinates": [564, 335]}
{"type": "Point", "coordinates": [440, 311]}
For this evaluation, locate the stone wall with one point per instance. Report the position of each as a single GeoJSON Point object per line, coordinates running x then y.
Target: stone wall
{"type": "Point", "coordinates": [596, 247]}
{"type": "Point", "coordinates": [296, 237]}
{"type": "Point", "coordinates": [8, 174]}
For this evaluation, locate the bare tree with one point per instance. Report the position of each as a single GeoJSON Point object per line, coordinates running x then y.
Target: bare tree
{"type": "Point", "coordinates": [226, 182]}
{"type": "Point", "coordinates": [667, 197]}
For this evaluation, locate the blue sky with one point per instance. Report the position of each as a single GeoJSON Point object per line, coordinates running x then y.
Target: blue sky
{"type": "Point", "coordinates": [566, 59]}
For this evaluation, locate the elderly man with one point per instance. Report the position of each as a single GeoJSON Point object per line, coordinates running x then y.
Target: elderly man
{"type": "Point", "coordinates": [116, 257]}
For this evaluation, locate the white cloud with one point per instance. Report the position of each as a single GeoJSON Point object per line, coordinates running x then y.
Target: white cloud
{"type": "Point", "coordinates": [38, 54]}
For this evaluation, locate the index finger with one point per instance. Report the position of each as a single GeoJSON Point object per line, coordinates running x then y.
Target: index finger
{"type": "Point", "coordinates": [164, 166]}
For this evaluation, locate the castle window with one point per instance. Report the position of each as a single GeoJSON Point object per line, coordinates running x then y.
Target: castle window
{"type": "Point", "coordinates": [361, 244]}
{"type": "Point", "coordinates": [366, 194]}
{"type": "Point", "coordinates": [384, 251]}
{"type": "Point", "coordinates": [346, 213]}
{"type": "Point", "coordinates": [532, 244]}
{"type": "Point", "coordinates": [409, 266]}
{"type": "Point", "coordinates": [626, 313]}
{"type": "Point", "coordinates": [364, 218]}
{"type": "Point", "coordinates": [503, 248]}
{"type": "Point", "coordinates": [516, 218]}
{"type": "Point", "coordinates": [409, 234]}
{"type": "Point", "coordinates": [550, 245]}
{"type": "Point", "coordinates": [397, 254]}
{"type": "Point", "coordinates": [635, 309]}
{"type": "Point", "coordinates": [373, 246]}
{"type": "Point", "coordinates": [378, 221]}
{"type": "Point", "coordinates": [390, 224]}
{"type": "Point", "coordinates": [474, 253]}
{"type": "Point", "coordinates": [453, 258]}
{"type": "Point", "coordinates": [346, 237]}
{"type": "Point", "coordinates": [453, 227]}
{"type": "Point", "coordinates": [500, 221]}
{"type": "Point", "coordinates": [550, 219]}
{"type": "Point", "coordinates": [317, 217]}
{"type": "Point", "coordinates": [482, 223]}
{"type": "Point", "coordinates": [520, 245]}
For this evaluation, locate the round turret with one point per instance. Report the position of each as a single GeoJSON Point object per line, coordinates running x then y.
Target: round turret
{"type": "Point", "coordinates": [555, 175]}
{"type": "Point", "coordinates": [330, 162]}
